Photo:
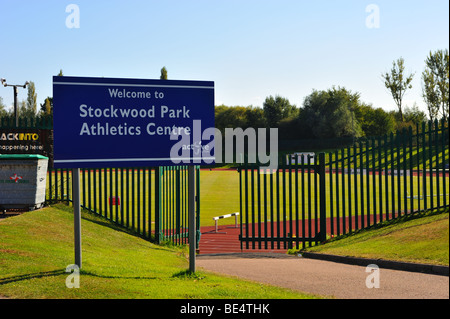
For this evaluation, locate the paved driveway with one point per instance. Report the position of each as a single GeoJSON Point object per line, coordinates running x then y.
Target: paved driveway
{"type": "Point", "coordinates": [326, 278]}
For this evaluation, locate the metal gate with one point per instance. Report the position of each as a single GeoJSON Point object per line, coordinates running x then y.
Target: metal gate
{"type": "Point", "coordinates": [172, 222]}
{"type": "Point", "coordinates": [366, 183]}
{"type": "Point", "coordinates": [283, 207]}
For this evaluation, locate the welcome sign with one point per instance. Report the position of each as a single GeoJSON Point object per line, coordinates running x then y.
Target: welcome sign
{"type": "Point", "coordinates": [105, 122]}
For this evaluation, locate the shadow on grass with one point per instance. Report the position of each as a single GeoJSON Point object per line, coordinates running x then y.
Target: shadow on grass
{"type": "Point", "coordinates": [54, 273]}
{"type": "Point", "coordinates": [187, 274]}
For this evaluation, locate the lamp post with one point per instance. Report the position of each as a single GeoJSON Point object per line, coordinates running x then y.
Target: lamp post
{"type": "Point", "coordinates": [15, 88]}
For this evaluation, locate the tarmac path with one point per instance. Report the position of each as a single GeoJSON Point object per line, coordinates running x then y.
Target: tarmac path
{"type": "Point", "coordinates": [325, 278]}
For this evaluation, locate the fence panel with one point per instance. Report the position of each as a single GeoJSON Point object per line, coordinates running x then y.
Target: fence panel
{"type": "Point", "coordinates": [283, 207]}
{"type": "Point", "coordinates": [387, 177]}
{"type": "Point", "coordinates": [151, 202]}
{"type": "Point", "coordinates": [374, 180]}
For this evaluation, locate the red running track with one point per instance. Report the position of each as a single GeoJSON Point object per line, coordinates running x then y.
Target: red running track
{"type": "Point", "coordinates": [227, 238]}
{"type": "Point", "coordinates": [225, 241]}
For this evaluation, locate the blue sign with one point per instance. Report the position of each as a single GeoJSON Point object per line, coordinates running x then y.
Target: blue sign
{"type": "Point", "coordinates": [104, 122]}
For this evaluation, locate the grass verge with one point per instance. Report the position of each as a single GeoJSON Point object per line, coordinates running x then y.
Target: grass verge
{"type": "Point", "coordinates": [36, 248]}
{"type": "Point", "coordinates": [418, 238]}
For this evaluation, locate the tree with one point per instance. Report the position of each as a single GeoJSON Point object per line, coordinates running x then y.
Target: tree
{"type": "Point", "coordinates": [414, 115]}
{"type": "Point", "coordinates": [238, 116]}
{"type": "Point", "coordinates": [397, 82]}
{"type": "Point", "coordinates": [435, 84]}
{"type": "Point", "coordinates": [230, 117]}
{"type": "Point", "coordinates": [330, 114]}
{"type": "Point", "coordinates": [3, 111]}
{"type": "Point", "coordinates": [163, 74]}
{"type": "Point", "coordinates": [374, 121]}
{"type": "Point", "coordinates": [23, 110]}
{"type": "Point", "coordinates": [278, 108]}
{"type": "Point", "coordinates": [430, 94]}
{"type": "Point", "coordinates": [255, 117]}
{"type": "Point", "coordinates": [31, 104]}
{"type": "Point", "coordinates": [47, 106]}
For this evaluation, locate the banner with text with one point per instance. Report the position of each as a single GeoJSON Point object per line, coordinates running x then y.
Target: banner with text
{"type": "Point", "coordinates": [26, 141]}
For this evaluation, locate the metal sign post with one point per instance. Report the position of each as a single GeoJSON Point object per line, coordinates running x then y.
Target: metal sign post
{"type": "Point", "coordinates": [192, 221]}
{"type": "Point", "coordinates": [77, 215]}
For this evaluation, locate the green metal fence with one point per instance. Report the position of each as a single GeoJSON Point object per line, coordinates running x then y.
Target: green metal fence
{"type": "Point", "coordinates": [334, 193]}
{"type": "Point", "coordinates": [282, 206]}
{"type": "Point", "coordinates": [39, 122]}
{"type": "Point", "coordinates": [173, 222]}
{"type": "Point", "coordinates": [151, 202]}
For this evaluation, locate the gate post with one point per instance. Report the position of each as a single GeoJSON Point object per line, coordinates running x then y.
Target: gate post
{"type": "Point", "coordinates": [192, 219]}
{"type": "Point", "coordinates": [197, 205]}
{"type": "Point", "coordinates": [322, 236]}
{"type": "Point", "coordinates": [177, 204]}
{"type": "Point", "coordinates": [77, 215]}
{"type": "Point", "coordinates": [158, 221]}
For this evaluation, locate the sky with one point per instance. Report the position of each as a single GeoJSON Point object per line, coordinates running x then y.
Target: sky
{"type": "Point", "coordinates": [251, 49]}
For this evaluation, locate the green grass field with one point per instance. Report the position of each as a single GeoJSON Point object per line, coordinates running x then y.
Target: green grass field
{"type": "Point", "coordinates": [219, 195]}
{"type": "Point", "coordinates": [36, 248]}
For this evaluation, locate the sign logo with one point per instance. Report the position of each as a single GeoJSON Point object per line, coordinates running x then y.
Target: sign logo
{"type": "Point", "coordinates": [16, 178]}
{"type": "Point", "coordinates": [13, 136]}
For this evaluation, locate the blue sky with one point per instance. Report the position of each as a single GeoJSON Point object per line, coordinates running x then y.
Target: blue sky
{"type": "Point", "coordinates": [250, 48]}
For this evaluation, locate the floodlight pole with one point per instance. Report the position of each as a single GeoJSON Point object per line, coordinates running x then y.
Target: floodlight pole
{"type": "Point", "coordinates": [16, 112]}
{"type": "Point", "coordinates": [15, 88]}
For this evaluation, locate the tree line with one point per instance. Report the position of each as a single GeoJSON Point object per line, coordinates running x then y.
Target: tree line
{"type": "Point", "coordinates": [333, 113]}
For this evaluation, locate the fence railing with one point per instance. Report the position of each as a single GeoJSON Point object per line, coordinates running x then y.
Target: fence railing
{"type": "Point", "coordinates": [383, 178]}
{"type": "Point", "coordinates": [151, 202]}
{"type": "Point", "coordinates": [335, 193]}
{"type": "Point", "coordinates": [37, 122]}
